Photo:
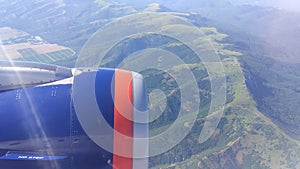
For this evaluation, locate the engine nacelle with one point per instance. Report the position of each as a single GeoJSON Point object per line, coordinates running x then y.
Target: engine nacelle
{"type": "Point", "coordinates": [55, 117]}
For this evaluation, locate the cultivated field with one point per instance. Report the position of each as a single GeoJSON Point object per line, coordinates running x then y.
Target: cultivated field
{"type": "Point", "coordinates": [18, 45]}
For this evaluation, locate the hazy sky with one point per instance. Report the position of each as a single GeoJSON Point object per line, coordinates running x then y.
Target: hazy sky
{"type": "Point", "coordinates": [289, 4]}
{"type": "Point", "coordinates": [293, 5]}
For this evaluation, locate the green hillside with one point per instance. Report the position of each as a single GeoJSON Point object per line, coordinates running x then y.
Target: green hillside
{"type": "Point", "coordinates": [259, 128]}
{"type": "Point", "coordinates": [245, 138]}
{"type": "Point", "coordinates": [248, 139]}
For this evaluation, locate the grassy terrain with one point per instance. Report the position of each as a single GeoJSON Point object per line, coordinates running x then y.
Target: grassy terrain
{"type": "Point", "coordinates": [259, 127]}
{"type": "Point", "coordinates": [69, 24]}
{"type": "Point", "coordinates": [245, 138]}
{"type": "Point", "coordinates": [251, 140]}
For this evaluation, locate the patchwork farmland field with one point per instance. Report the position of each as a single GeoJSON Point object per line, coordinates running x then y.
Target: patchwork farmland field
{"type": "Point", "coordinates": [7, 33]}
{"type": "Point", "coordinates": [16, 46]}
{"type": "Point", "coordinates": [51, 57]}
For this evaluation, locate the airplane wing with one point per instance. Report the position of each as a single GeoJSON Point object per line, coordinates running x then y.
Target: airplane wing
{"type": "Point", "coordinates": [24, 74]}
{"type": "Point", "coordinates": [57, 117]}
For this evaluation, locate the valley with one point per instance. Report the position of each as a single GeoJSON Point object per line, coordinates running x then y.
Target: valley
{"type": "Point", "coordinates": [257, 46]}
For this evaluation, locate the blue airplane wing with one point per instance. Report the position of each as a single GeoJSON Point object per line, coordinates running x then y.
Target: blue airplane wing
{"type": "Point", "coordinates": [41, 127]}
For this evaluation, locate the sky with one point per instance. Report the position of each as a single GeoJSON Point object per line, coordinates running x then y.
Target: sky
{"type": "Point", "coordinates": [293, 5]}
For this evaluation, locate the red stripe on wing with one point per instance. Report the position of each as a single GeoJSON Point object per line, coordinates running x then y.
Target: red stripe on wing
{"type": "Point", "coordinates": [123, 123]}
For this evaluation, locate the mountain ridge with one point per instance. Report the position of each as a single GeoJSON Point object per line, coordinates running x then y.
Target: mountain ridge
{"type": "Point", "coordinates": [246, 130]}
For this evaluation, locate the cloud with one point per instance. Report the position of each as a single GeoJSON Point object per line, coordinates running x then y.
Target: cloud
{"type": "Point", "coordinates": [293, 5]}
{"type": "Point", "coordinates": [60, 2]}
